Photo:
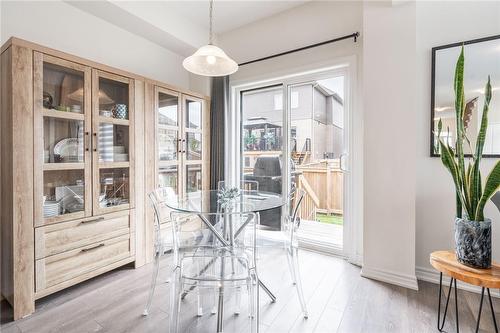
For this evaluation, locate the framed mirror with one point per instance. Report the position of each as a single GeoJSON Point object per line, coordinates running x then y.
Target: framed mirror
{"type": "Point", "coordinates": [482, 58]}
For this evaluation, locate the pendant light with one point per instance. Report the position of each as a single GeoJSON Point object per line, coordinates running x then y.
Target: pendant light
{"type": "Point", "coordinates": [209, 60]}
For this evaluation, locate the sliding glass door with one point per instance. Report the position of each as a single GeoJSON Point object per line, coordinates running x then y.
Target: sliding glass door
{"type": "Point", "coordinates": [293, 135]}
{"type": "Point", "coordinates": [263, 144]}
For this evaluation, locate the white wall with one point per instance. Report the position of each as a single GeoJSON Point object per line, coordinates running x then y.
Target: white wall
{"type": "Point", "coordinates": [307, 24]}
{"type": "Point", "coordinates": [389, 148]}
{"type": "Point", "coordinates": [63, 27]}
{"type": "Point", "coordinates": [440, 23]}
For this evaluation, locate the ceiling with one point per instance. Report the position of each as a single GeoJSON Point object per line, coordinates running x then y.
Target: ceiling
{"type": "Point", "coordinates": [181, 26]}
{"type": "Point", "coordinates": [229, 15]}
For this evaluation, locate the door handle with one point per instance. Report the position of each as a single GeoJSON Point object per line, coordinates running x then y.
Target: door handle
{"type": "Point", "coordinates": [184, 145]}
{"type": "Point", "coordinates": [95, 141]}
{"type": "Point", "coordinates": [87, 141]}
{"type": "Point", "coordinates": [92, 248]}
{"type": "Point", "coordinates": [178, 145]}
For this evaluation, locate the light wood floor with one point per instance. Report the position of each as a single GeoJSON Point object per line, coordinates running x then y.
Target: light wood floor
{"type": "Point", "coordinates": [339, 300]}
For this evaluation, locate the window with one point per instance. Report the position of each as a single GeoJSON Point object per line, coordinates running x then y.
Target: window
{"type": "Point", "coordinates": [295, 99]}
{"type": "Point", "coordinates": [278, 102]}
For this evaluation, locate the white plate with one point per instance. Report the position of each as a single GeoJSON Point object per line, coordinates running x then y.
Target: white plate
{"type": "Point", "coordinates": [68, 149]}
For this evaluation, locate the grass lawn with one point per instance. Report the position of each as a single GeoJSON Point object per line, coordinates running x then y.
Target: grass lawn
{"type": "Point", "coordinates": [330, 219]}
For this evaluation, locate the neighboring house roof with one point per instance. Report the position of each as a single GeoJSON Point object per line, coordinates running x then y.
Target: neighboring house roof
{"type": "Point", "coordinates": [327, 92]}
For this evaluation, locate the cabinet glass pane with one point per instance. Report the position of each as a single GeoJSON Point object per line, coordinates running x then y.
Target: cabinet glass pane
{"type": "Point", "coordinates": [193, 114]}
{"type": "Point", "coordinates": [167, 109]}
{"type": "Point", "coordinates": [62, 88]}
{"type": "Point", "coordinates": [63, 192]}
{"type": "Point", "coordinates": [193, 178]}
{"type": "Point", "coordinates": [168, 177]}
{"type": "Point", "coordinates": [193, 146]}
{"type": "Point", "coordinates": [113, 99]}
{"type": "Point", "coordinates": [167, 144]}
{"type": "Point", "coordinates": [114, 187]}
{"type": "Point", "coordinates": [113, 142]}
{"type": "Point", "coordinates": [63, 140]}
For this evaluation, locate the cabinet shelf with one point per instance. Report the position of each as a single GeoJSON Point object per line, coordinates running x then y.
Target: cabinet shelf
{"type": "Point", "coordinates": [63, 114]}
{"type": "Point", "coordinates": [63, 166]}
{"type": "Point", "coordinates": [115, 121]}
{"type": "Point", "coordinates": [113, 165]}
{"type": "Point", "coordinates": [63, 217]}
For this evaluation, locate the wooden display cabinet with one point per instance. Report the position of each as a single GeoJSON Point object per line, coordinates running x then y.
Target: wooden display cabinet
{"type": "Point", "coordinates": [178, 143]}
{"type": "Point", "coordinates": [68, 171]}
{"type": "Point", "coordinates": [81, 143]}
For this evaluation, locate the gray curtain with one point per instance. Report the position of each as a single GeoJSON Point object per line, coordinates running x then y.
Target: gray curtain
{"type": "Point", "coordinates": [218, 106]}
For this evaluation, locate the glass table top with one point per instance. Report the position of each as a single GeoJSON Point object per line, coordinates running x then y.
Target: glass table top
{"type": "Point", "coordinates": [208, 201]}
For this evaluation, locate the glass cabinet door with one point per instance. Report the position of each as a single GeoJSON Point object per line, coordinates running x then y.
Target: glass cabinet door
{"type": "Point", "coordinates": [168, 141]}
{"type": "Point", "coordinates": [62, 123]}
{"type": "Point", "coordinates": [193, 144]}
{"type": "Point", "coordinates": [112, 142]}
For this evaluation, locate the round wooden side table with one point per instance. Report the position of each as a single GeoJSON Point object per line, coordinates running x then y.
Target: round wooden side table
{"type": "Point", "coordinates": [446, 263]}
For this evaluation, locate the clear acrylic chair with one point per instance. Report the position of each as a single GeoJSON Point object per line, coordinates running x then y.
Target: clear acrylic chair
{"type": "Point", "coordinates": [287, 238]}
{"type": "Point", "coordinates": [161, 244]}
{"type": "Point", "coordinates": [227, 263]}
{"type": "Point", "coordinates": [164, 243]}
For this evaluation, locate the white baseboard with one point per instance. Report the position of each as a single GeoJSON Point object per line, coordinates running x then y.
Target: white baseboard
{"type": "Point", "coordinates": [356, 260]}
{"type": "Point", "coordinates": [402, 280]}
{"type": "Point", "coordinates": [431, 275]}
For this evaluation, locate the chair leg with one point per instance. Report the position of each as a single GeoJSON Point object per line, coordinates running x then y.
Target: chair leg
{"type": "Point", "coordinates": [298, 285]}
{"type": "Point", "coordinates": [237, 310]}
{"type": "Point", "coordinates": [156, 269]}
{"type": "Point", "coordinates": [175, 300]}
{"type": "Point", "coordinates": [214, 298]}
{"type": "Point", "coordinates": [253, 296]}
{"type": "Point", "coordinates": [289, 256]}
{"type": "Point", "coordinates": [199, 302]}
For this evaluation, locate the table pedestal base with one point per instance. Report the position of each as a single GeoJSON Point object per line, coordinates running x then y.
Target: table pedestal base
{"type": "Point", "coordinates": [453, 283]}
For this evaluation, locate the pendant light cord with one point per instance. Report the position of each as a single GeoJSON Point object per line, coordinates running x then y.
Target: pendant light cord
{"type": "Point", "coordinates": [210, 15]}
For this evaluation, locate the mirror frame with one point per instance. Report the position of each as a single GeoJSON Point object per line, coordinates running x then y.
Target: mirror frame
{"type": "Point", "coordinates": [433, 86]}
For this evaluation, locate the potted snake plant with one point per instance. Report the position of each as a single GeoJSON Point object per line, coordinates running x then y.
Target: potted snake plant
{"type": "Point", "coordinates": [472, 229]}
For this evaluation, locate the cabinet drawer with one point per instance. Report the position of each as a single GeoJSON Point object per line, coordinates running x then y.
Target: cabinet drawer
{"type": "Point", "coordinates": [80, 262]}
{"type": "Point", "coordinates": [66, 236]}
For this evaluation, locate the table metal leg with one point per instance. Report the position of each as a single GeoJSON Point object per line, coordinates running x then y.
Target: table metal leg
{"type": "Point", "coordinates": [268, 292]}
{"type": "Point", "coordinates": [453, 284]}
{"type": "Point", "coordinates": [440, 324]}
{"type": "Point", "coordinates": [456, 304]}
{"type": "Point", "coordinates": [492, 311]}
{"type": "Point", "coordinates": [480, 309]}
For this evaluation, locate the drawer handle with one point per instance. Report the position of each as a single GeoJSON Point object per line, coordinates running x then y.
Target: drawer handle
{"type": "Point", "coordinates": [93, 248]}
{"type": "Point", "coordinates": [93, 220]}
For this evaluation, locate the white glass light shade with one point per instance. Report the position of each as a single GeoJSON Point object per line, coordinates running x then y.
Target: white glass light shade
{"type": "Point", "coordinates": [209, 60]}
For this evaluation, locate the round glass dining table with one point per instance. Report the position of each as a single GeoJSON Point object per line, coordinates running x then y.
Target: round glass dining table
{"type": "Point", "coordinates": [208, 201]}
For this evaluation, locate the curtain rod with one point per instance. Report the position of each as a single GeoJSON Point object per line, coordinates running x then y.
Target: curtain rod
{"type": "Point", "coordinates": [353, 35]}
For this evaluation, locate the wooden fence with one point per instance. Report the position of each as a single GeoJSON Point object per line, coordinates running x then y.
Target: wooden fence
{"type": "Point", "coordinates": [323, 183]}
